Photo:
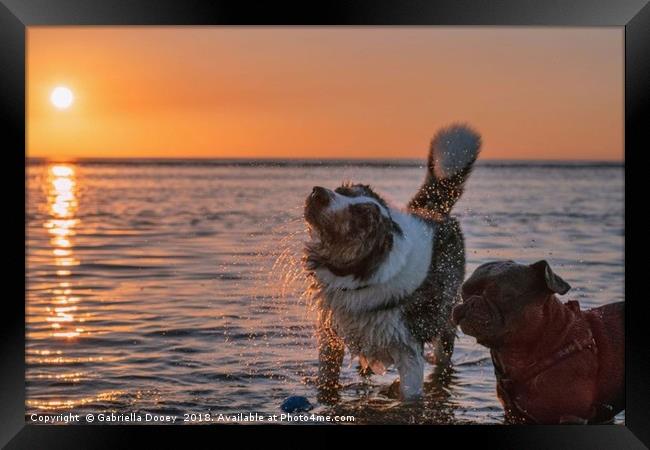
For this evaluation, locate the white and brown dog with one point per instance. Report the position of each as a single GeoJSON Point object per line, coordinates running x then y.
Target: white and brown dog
{"type": "Point", "coordinates": [385, 280]}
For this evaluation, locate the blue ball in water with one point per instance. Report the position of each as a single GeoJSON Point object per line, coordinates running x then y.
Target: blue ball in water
{"type": "Point", "coordinates": [296, 403]}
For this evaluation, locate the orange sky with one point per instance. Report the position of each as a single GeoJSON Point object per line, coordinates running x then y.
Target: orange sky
{"type": "Point", "coordinates": [370, 92]}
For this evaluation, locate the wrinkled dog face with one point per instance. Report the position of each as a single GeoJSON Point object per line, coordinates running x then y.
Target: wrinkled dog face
{"type": "Point", "coordinates": [351, 230]}
{"type": "Point", "coordinates": [503, 301]}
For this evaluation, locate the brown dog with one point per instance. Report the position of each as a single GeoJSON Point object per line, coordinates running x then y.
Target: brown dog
{"type": "Point", "coordinates": [553, 362]}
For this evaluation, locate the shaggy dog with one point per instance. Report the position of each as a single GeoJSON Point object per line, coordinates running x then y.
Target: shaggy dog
{"type": "Point", "coordinates": [385, 280]}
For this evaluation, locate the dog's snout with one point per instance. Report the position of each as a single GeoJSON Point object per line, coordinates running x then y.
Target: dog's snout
{"type": "Point", "coordinates": [461, 310]}
{"type": "Point", "coordinates": [320, 195]}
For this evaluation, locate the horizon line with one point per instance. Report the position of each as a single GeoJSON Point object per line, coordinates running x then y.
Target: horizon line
{"type": "Point", "coordinates": [319, 162]}
{"type": "Point", "coordinates": [63, 159]}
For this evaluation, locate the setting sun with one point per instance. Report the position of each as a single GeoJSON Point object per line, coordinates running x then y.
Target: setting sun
{"type": "Point", "coordinates": [322, 92]}
{"type": "Point", "coordinates": [62, 97]}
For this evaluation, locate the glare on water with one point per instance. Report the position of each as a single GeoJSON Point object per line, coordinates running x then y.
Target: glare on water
{"type": "Point", "coordinates": [62, 205]}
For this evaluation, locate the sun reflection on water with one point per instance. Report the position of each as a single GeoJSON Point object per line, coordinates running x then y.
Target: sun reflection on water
{"type": "Point", "coordinates": [62, 207]}
{"type": "Point", "coordinates": [109, 396]}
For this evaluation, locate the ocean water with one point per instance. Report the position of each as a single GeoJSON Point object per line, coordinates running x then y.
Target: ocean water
{"type": "Point", "coordinates": [175, 287]}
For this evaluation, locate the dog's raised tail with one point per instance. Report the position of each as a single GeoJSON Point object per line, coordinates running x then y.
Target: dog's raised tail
{"type": "Point", "coordinates": [452, 154]}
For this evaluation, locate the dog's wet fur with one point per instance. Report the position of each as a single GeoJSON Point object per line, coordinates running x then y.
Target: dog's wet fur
{"type": "Point", "coordinates": [354, 240]}
{"type": "Point", "coordinates": [385, 280]}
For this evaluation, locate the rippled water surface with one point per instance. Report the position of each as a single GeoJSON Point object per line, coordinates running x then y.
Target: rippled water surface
{"type": "Point", "coordinates": [173, 288]}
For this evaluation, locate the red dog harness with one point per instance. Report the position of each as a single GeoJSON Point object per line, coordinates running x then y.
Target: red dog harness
{"type": "Point", "coordinates": [506, 382]}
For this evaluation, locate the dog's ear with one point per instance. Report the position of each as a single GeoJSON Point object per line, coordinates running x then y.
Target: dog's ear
{"type": "Point", "coordinates": [553, 282]}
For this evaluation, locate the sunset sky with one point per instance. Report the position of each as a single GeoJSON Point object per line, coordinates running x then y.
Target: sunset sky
{"type": "Point", "coordinates": [371, 92]}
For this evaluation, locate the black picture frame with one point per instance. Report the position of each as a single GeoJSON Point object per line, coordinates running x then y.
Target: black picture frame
{"type": "Point", "coordinates": [16, 15]}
